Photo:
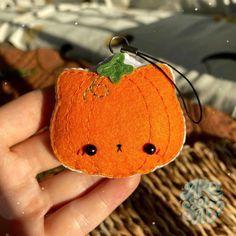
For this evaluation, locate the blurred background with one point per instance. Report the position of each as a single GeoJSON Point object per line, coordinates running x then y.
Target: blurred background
{"type": "Point", "coordinates": [40, 38]}
{"type": "Point", "coordinates": [196, 36]}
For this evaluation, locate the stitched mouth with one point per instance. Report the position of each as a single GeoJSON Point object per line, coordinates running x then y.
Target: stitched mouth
{"type": "Point", "coordinates": [119, 146]}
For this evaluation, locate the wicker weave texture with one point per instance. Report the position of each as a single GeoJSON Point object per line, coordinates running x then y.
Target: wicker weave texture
{"type": "Point", "coordinates": [155, 207]}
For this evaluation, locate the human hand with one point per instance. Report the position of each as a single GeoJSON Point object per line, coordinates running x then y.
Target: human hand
{"type": "Point", "coordinates": [69, 203]}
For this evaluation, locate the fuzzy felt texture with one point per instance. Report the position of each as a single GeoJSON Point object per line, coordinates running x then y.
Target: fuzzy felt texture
{"type": "Point", "coordinates": [117, 62]}
{"type": "Point", "coordinates": [143, 108]}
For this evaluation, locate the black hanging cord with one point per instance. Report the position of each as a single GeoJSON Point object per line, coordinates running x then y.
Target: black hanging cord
{"type": "Point", "coordinates": [127, 48]}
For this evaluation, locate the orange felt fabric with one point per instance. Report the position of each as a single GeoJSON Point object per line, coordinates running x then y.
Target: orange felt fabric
{"type": "Point", "coordinates": [142, 108]}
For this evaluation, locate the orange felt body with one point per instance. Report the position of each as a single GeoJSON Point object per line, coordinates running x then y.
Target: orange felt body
{"type": "Point", "coordinates": [142, 108]}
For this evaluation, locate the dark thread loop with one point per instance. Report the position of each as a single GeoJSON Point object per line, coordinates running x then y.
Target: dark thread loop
{"type": "Point", "coordinates": [127, 48]}
{"type": "Point", "coordinates": [126, 42]}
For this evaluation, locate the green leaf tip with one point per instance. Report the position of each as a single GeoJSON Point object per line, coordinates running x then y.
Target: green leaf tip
{"type": "Point", "coordinates": [115, 68]}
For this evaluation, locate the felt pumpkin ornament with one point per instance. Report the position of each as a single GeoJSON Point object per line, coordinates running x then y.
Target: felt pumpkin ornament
{"type": "Point", "coordinates": [117, 120]}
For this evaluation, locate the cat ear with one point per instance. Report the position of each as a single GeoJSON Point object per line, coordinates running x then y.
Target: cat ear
{"type": "Point", "coordinates": [167, 70]}
{"type": "Point", "coordinates": [159, 79]}
{"type": "Point", "coordinates": [70, 81]}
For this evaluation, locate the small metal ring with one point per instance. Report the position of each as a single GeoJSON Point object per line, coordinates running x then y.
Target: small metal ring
{"type": "Point", "coordinates": [117, 37]}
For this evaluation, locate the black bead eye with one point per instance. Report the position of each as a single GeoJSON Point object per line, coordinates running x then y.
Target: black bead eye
{"type": "Point", "coordinates": [149, 148]}
{"type": "Point", "coordinates": [90, 149]}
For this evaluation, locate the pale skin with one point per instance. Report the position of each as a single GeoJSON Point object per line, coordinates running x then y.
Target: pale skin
{"type": "Point", "coordinates": [69, 203]}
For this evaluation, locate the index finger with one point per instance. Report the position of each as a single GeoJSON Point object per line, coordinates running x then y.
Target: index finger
{"type": "Point", "coordinates": [83, 214]}
{"type": "Point", "coordinates": [24, 116]}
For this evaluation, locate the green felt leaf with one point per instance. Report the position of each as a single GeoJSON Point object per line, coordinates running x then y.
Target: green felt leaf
{"type": "Point", "coordinates": [115, 68]}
